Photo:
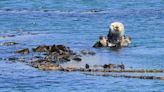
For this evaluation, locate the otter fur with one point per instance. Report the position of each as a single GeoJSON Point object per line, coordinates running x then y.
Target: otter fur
{"type": "Point", "coordinates": [103, 42]}
{"type": "Point", "coordinates": [116, 32]}
{"type": "Point", "coordinates": [115, 37]}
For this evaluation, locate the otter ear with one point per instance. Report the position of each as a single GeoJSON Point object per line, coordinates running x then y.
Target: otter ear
{"type": "Point", "coordinates": [130, 38]}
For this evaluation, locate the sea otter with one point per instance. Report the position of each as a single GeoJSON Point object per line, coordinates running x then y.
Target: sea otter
{"type": "Point", "coordinates": [116, 32]}
{"type": "Point", "coordinates": [115, 37]}
{"type": "Point", "coordinates": [103, 42]}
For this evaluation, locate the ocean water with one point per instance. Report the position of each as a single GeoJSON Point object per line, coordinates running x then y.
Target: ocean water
{"type": "Point", "coordinates": [78, 24]}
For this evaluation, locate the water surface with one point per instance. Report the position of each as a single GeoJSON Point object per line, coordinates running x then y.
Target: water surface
{"type": "Point", "coordinates": [78, 24]}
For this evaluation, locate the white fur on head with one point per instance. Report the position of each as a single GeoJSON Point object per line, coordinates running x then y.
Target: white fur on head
{"type": "Point", "coordinates": [120, 28]}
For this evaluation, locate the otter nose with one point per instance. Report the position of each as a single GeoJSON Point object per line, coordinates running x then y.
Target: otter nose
{"type": "Point", "coordinates": [117, 28]}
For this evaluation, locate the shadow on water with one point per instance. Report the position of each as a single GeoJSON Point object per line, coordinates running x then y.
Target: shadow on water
{"type": "Point", "coordinates": [116, 49]}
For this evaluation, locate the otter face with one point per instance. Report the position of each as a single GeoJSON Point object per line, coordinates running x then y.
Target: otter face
{"type": "Point", "coordinates": [117, 28]}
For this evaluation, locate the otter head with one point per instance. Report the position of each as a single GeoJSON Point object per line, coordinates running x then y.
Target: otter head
{"type": "Point", "coordinates": [117, 28]}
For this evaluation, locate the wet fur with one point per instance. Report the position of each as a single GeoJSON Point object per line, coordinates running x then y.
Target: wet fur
{"type": "Point", "coordinates": [116, 32]}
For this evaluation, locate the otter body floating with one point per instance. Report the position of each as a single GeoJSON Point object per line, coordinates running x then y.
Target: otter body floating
{"type": "Point", "coordinates": [115, 38]}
